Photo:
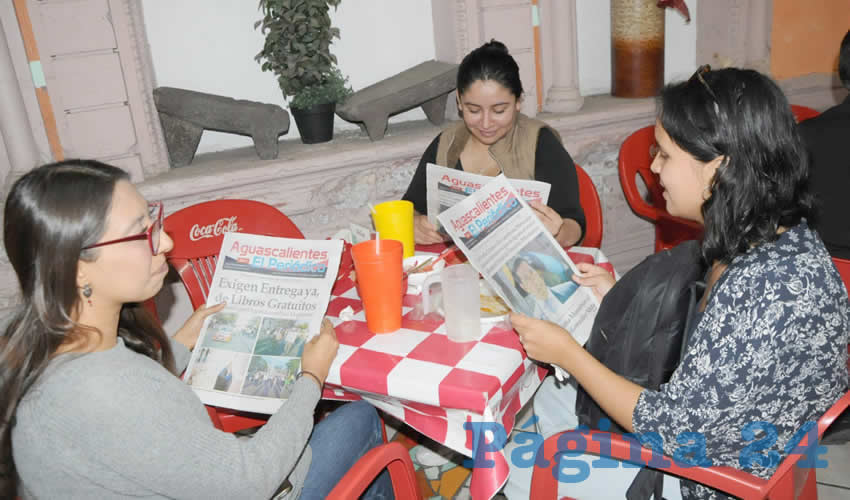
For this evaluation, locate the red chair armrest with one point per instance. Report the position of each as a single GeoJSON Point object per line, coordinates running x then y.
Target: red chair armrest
{"type": "Point", "coordinates": [214, 417]}
{"type": "Point", "coordinates": [544, 484]}
{"type": "Point", "coordinates": [391, 456]}
{"type": "Point", "coordinates": [638, 204]}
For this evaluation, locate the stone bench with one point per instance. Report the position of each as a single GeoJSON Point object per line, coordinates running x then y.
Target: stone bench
{"type": "Point", "coordinates": [425, 85]}
{"type": "Point", "coordinates": [185, 114]}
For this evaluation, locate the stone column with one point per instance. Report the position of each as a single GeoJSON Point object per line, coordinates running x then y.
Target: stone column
{"type": "Point", "coordinates": [563, 96]}
{"type": "Point", "coordinates": [21, 148]}
{"type": "Point", "coordinates": [735, 33]}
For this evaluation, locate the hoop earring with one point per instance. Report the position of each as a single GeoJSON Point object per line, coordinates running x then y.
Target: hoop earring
{"type": "Point", "coordinates": [87, 291]}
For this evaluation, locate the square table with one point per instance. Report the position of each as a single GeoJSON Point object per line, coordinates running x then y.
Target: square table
{"type": "Point", "coordinates": [435, 385]}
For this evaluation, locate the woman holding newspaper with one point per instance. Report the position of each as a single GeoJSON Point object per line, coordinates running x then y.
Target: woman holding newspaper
{"type": "Point", "coordinates": [768, 337]}
{"type": "Point", "coordinates": [493, 138]}
{"type": "Point", "coordinates": [92, 406]}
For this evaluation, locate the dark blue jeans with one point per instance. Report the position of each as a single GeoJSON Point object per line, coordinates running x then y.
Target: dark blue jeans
{"type": "Point", "coordinates": [338, 441]}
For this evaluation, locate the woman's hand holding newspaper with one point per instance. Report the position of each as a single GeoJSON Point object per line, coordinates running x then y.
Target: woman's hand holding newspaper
{"type": "Point", "coordinates": [542, 340]}
{"type": "Point", "coordinates": [188, 333]}
{"type": "Point", "coordinates": [549, 217]}
{"type": "Point", "coordinates": [565, 231]}
{"type": "Point", "coordinates": [425, 232]}
{"type": "Point", "coordinates": [598, 279]}
{"type": "Point", "coordinates": [320, 352]}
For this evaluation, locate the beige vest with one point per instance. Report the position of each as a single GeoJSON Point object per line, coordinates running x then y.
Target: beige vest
{"type": "Point", "coordinates": [515, 153]}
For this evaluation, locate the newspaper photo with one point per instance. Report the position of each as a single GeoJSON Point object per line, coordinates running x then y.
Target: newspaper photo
{"type": "Point", "coordinates": [445, 187]}
{"type": "Point", "coordinates": [277, 291]}
{"type": "Point", "coordinates": [506, 242]}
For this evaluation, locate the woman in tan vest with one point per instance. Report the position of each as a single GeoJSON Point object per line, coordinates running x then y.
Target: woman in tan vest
{"type": "Point", "coordinates": [493, 138]}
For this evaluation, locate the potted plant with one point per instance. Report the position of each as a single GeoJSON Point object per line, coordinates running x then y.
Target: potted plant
{"type": "Point", "coordinates": [297, 49]}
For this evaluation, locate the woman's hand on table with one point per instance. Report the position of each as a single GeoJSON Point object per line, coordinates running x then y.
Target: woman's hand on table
{"type": "Point", "coordinates": [425, 233]}
{"type": "Point", "coordinates": [542, 340]}
{"type": "Point", "coordinates": [320, 352]}
{"type": "Point", "coordinates": [597, 278]}
{"type": "Point", "coordinates": [566, 231]}
{"type": "Point", "coordinates": [188, 333]}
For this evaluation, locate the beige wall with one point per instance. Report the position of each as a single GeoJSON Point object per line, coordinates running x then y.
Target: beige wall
{"type": "Point", "coordinates": [806, 35]}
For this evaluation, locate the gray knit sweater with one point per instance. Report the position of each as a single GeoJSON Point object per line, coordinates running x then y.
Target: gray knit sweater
{"type": "Point", "coordinates": [116, 424]}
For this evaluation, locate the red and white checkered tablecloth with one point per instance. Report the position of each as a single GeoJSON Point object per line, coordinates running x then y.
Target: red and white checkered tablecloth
{"type": "Point", "coordinates": [435, 385]}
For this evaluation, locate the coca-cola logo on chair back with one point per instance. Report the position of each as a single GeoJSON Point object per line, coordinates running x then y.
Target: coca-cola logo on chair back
{"type": "Point", "coordinates": [217, 228]}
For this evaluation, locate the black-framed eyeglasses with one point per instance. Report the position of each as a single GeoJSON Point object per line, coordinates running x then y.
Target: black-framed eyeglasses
{"type": "Point", "coordinates": [152, 233]}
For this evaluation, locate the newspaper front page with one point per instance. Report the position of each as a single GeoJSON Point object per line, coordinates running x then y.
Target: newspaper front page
{"type": "Point", "coordinates": [445, 187]}
{"type": "Point", "coordinates": [506, 242]}
{"type": "Point", "coordinates": [277, 291]}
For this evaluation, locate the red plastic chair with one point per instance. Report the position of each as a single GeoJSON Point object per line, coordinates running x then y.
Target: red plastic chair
{"type": "Point", "coordinates": [592, 208]}
{"type": "Point", "coordinates": [789, 481]}
{"type": "Point", "coordinates": [803, 112]}
{"type": "Point", "coordinates": [197, 232]}
{"type": "Point", "coordinates": [391, 456]}
{"type": "Point", "coordinates": [635, 161]}
{"type": "Point", "coordinates": [843, 266]}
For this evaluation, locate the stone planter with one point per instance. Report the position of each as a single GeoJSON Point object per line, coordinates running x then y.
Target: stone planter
{"type": "Point", "coordinates": [637, 48]}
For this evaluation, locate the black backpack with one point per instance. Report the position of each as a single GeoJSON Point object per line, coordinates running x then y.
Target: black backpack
{"type": "Point", "coordinates": [640, 325]}
{"type": "Point", "coordinates": [639, 334]}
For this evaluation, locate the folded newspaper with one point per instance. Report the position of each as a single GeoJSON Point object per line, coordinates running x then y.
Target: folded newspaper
{"type": "Point", "coordinates": [506, 242]}
{"type": "Point", "coordinates": [277, 291]}
{"type": "Point", "coordinates": [445, 187]}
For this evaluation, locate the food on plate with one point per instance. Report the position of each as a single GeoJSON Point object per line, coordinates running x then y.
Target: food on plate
{"type": "Point", "coordinates": [492, 304]}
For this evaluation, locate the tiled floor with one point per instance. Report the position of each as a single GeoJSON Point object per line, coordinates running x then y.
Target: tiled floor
{"type": "Point", "coordinates": [834, 481]}
{"type": "Point", "coordinates": [448, 480]}
{"type": "Point", "coordinates": [451, 480]}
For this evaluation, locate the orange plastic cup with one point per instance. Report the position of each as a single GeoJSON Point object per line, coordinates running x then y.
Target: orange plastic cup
{"type": "Point", "coordinates": [379, 276]}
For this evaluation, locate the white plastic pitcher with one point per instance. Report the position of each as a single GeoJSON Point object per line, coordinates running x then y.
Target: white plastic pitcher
{"type": "Point", "coordinates": [461, 301]}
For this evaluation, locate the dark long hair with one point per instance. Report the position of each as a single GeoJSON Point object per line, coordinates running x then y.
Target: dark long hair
{"type": "Point", "coordinates": [490, 61]}
{"type": "Point", "coordinates": [51, 213]}
{"type": "Point", "coordinates": [743, 116]}
{"type": "Point", "coordinates": [844, 61]}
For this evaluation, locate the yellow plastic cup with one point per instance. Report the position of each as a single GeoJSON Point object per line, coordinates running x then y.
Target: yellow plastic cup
{"type": "Point", "coordinates": [394, 221]}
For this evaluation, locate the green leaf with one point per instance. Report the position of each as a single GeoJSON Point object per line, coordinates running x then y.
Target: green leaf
{"type": "Point", "coordinates": [297, 49]}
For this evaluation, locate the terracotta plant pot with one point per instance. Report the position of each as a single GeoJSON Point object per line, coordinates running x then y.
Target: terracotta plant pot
{"type": "Point", "coordinates": [637, 48]}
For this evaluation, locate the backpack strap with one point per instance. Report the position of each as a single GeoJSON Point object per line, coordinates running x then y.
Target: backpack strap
{"type": "Point", "coordinates": [695, 293]}
{"type": "Point", "coordinates": [647, 483]}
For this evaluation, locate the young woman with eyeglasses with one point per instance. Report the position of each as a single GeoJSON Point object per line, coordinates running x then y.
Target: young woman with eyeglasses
{"type": "Point", "coordinates": [91, 403]}
{"type": "Point", "coordinates": [768, 341]}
